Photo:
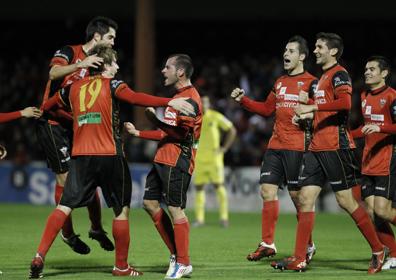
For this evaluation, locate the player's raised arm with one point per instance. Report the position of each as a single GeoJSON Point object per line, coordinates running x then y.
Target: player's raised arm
{"type": "Point", "coordinates": [264, 109]}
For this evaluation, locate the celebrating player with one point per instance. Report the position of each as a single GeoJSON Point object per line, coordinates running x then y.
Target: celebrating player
{"type": "Point", "coordinates": [69, 65]}
{"type": "Point", "coordinates": [97, 155]}
{"type": "Point", "coordinates": [378, 164]}
{"type": "Point", "coordinates": [288, 142]}
{"type": "Point", "coordinates": [330, 156]}
{"type": "Point", "coordinates": [173, 165]}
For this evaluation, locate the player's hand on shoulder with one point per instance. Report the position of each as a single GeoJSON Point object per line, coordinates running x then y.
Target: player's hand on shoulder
{"type": "Point", "coordinates": [182, 105]}
{"type": "Point", "coordinates": [90, 61]}
{"type": "Point", "coordinates": [237, 94]}
{"type": "Point", "coordinates": [31, 112]}
{"type": "Point", "coordinates": [370, 128]}
{"type": "Point", "coordinates": [131, 129]}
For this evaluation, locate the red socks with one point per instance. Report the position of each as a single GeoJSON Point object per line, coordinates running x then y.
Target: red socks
{"type": "Point", "coordinates": [182, 234]}
{"type": "Point", "coordinates": [121, 241]}
{"type": "Point", "coordinates": [269, 218]}
{"type": "Point", "coordinates": [310, 241]}
{"type": "Point", "coordinates": [95, 213]}
{"type": "Point", "coordinates": [305, 226]}
{"type": "Point", "coordinates": [367, 228]}
{"type": "Point", "coordinates": [165, 228]}
{"type": "Point", "coordinates": [67, 229]}
{"type": "Point", "coordinates": [387, 237]}
{"type": "Point", "coordinates": [54, 224]}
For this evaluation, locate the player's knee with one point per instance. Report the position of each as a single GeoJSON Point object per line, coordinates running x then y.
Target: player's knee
{"type": "Point", "coordinates": [61, 178]}
{"type": "Point", "coordinates": [305, 201]}
{"type": "Point", "coordinates": [176, 212]}
{"type": "Point", "coordinates": [151, 206]}
{"type": "Point", "coordinates": [382, 212]}
{"type": "Point", "coordinates": [269, 192]}
{"type": "Point", "coordinates": [121, 213]}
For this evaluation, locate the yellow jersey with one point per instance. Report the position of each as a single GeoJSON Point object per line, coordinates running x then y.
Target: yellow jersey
{"type": "Point", "coordinates": [213, 123]}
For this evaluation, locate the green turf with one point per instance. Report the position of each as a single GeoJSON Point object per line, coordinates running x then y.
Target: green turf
{"type": "Point", "coordinates": [216, 253]}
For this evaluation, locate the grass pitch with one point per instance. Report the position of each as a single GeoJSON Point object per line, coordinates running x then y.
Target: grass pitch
{"type": "Point", "coordinates": [216, 253]}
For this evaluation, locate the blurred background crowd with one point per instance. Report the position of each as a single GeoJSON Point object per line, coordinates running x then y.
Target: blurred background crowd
{"type": "Point", "coordinates": [227, 53]}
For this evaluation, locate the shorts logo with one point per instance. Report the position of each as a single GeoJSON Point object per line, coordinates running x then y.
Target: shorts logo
{"type": "Point", "coordinates": [266, 173]}
{"type": "Point", "coordinates": [380, 188]}
{"type": "Point", "coordinates": [64, 151]}
{"type": "Point", "coordinates": [335, 182]}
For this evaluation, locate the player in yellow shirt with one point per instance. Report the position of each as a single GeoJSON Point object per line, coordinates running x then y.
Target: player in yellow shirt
{"type": "Point", "coordinates": [209, 168]}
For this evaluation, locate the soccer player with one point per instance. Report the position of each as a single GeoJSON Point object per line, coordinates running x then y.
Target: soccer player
{"type": "Point", "coordinates": [330, 156]}
{"type": "Point", "coordinates": [70, 64]}
{"type": "Point", "coordinates": [173, 165]}
{"type": "Point", "coordinates": [288, 142]}
{"type": "Point", "coordinates": [97, 155]}
{"type": "Point", "coordinates": [379, 162]}
{"type": "Point", "coordinates": [209, 163]}
{"type": "Point", "coordinates": [28, 112]}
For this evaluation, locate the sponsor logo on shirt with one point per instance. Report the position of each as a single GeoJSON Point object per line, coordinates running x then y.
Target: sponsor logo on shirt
{"type": "Point", "coordinates": [377, 117]}
{"type": "Point", "coordinates": [339, 82]}
{"type": "Point", "coordinates": [89, 118]}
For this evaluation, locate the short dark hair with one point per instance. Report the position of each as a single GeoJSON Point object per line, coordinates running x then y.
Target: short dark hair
{"type": "Point", "coordinates": [333, 41]}
{"type": "Point", "coordinates": [107, 53]}
{"type": "Point", "coordinates": [302, 44]}
{"type": "Point", "coordinates": [383, 64]}
{"type": "Point", "coordinates": [99, 25]}
{"type": "Point", "coordinates": [184, 61]}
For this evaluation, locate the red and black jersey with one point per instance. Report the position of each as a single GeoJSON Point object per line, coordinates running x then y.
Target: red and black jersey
{"type": "Point", "coordinates": [282, 100]}
{"type": "Point", "coordinates": [6, 117]}
{"type": "Point", "coordinates": [181, 152]}
{"type": "Point", "coordinates": [379, 108]}
{"type": "Point", "coordinates": [66, 56]}
{"type": "Point", "coordinates": [94, 102]}
{"type": "Point", "coordinates": [330, 122]}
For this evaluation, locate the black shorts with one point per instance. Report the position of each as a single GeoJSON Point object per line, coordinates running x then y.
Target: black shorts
{"type": "Point", "coordinates": [86, 173]}
{"type": "Point", "coordinates": [167, 184]}
{"type": "Point", "coordinates": [281, 167]}
{"type": "Point", "coordinates": [55, 141]}
{"type": "Point", "coordinates": [338, 168]}
{"type": "Point", "coordinates": [384, 186]}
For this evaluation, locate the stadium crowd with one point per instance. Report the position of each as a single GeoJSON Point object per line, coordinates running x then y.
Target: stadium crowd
{"type": "Point", "coordinates": [23, 80]}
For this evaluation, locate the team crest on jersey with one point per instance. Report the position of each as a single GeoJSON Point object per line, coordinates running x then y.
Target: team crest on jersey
{"type": "Point", "coordinates": [382, 102]}
{"type": "Point", "coordinates": [364, 103]}
{"type": "Point", "coordinates": [279, 85]}
{"type": "Point", "coordinates": [300, 84]}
